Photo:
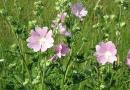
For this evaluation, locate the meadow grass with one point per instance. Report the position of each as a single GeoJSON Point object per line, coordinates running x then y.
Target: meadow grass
{"type": "Point", "coordinates": [87, 75]}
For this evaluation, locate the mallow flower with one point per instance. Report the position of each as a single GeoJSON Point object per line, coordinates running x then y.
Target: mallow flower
{"type": "Point", "coordinates": [78, 10]}
{"type": "Point", "coordinates": [61, 50]}
{"type": "Point", "coordinates": [59, 19]}
{"type": "Point", "coordinates": [63, 31]}
{"type": "Point", "coordinates": [106, 52]}
{"type": "Point", "coordinates": [40, 39]}
{"type": "Point", "coordinates": [62, 16]}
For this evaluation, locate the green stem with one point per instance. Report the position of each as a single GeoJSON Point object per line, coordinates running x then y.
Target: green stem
{"type": "Point", "coordinates": [66, 73]}
{"type": "Point", "coordinates": [99, 79]}
{"type": "Point", "coordinates": [79, 86]}
{"type": "Point", "coordinates": [42, 78]}
{"type": "Point", "coordinates": [80, 48]}
{"type": "Point", "coordinates": [67, 70]}
{"type": "Point", "coordinates": [118, 37]}
{"type": "Point", "coordinates": [4, 3]}
{"type": "Point", "coordinates": [97, 4]}
{"type": "Point", "coordinates": [42, 71]}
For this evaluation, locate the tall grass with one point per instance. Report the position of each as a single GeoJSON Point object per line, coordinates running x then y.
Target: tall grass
{"type": "Point", "coordinates": [24, 70]}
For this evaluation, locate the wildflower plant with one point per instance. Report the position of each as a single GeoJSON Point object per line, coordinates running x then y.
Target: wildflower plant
{"type": "Point", "coordinates": [64, 45]}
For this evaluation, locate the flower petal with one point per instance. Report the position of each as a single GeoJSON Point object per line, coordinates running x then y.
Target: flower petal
{"type": "Point", "coordinates": [49, 34]}
{"type": "Point", "coordinates": [36, 47]}
{"type": "Point", "coordinates": [41, 31]}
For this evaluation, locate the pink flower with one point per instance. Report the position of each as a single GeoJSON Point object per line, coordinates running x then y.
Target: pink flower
{"type": "Point", "coordinates": [61, 50]}
{"type": "Point", "coordinates": [128, 59]}
{"type": "Point", "coordinates": [106, 52]}
{"type": "Point", "coordinates": [40, 40]}
{"type": "Point", "coordinates": [62, 30]}
{"type": "Point", "coordinates": [78, 10]}
{"type": "Point", "coordinates": [62, 16]}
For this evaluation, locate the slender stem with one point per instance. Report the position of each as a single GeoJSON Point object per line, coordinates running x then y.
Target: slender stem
{"type": "Point", "coordinates": [68, 66]}
{"type": "Point", "coordinates": [42, 71]}
{"type": "Point", "coordinates": [43, 77]}
{"type": "Point", "coordinates": [4, 3]}
{"type": "Point", "coordinates": [118, 37]}
{"type": "Point", "coordinates": [97, 4]}
{"type": "Point", "coordinates": [79, 86]}
{"type": "Point", "coordinates": [66, 73]}
{"type": "Point", "coordinates": [80, 48]}
{"type": "Point", "coordinates": [67, 70]}
{"type": "Point", "coordinates": [99, 77]}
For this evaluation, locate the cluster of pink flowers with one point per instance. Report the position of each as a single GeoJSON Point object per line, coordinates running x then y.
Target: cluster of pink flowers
{"type": "Point", "coordinates": [78, 10]}
{"type": "Point", "coordinates": [42, 39]}
{"type": "Point", "coordinates": [58, 24]}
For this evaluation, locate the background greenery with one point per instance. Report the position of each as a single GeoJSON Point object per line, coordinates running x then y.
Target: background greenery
{"type": "Point", "coordinates": [84, 75]}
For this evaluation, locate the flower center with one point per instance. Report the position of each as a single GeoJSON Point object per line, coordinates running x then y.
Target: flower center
{"type": "Point", "coordinates": [108, 54]}
{"type": "Point", "coordinates": [41, 40]}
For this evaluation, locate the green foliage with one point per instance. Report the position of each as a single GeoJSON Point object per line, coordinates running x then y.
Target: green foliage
{"type": "Point", "coordinates": [22, 69]}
